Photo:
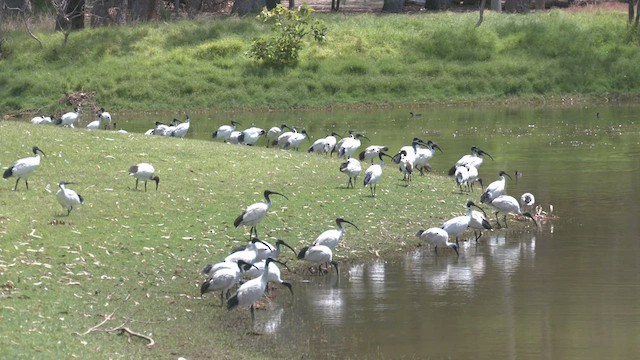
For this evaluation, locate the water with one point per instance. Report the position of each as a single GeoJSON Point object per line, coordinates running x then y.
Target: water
{"type": "Point", "coordinates": [567, 290]}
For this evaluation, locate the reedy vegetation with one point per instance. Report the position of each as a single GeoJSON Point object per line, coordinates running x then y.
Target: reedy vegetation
{"type": "Point", "coordinates": [366, 59]}
{"type": "Point", "coordinates": [138, 254]}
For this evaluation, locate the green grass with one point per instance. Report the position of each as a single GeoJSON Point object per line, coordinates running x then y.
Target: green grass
{"type": "Point", "coordinates": [137, 255]}
{"type": "Point", "coordinates": [367, 59]}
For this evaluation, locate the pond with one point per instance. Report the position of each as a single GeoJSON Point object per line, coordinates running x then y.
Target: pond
{"type": "Point", "coordinates": [569, 289]}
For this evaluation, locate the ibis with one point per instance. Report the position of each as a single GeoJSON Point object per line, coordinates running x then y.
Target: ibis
{"type": "Point", "coordinates": [70, 118]}
{"type": "Point", "coordinates": [251, 291]}
{"type": "Point", "coordinates": [435, 237]}
{"type": "Point", "coordinates": [527, 200]}
{"type": "Point", "coordinates": [423, 155]}
{"type": "Point", "coordinates": [350, 145]}
{"type": "Point", "coordinates": [495, 189]}
{"type": "Point", "coordinates": [331, 237]}
{"type": "Point", "coordinates": [251, 253]}
{"type": "Point", "coordinates": [273, 133]}
{"type": "Point", "coordinates": [225, 131]}
{"type": "Point", "coordinates": [105, 117]}
{"type": "Point", "coordinates": [352, 168]}
{"type": "Point", "coordinates": [224, 279]}
{"type": "Point", "coordinates": [457, 225]}
{"type": "Point", "coordinates": [374, 173]}
{"type": "Point", "coordinates": [181, 129]}
{"type": "Point", "coordinates": [406, 165]}
{"type": "Point", "coordinates": [251, 135]}
{"type": "Point", "coordinates": [476, 159]}
{"type": "Point", "coordinates": [479, 222]}
{"type": "Point", "coordinates": [23, 168]}
{"type": "Point", "coordinates": [144, 172]}
{"type": "Point", "coordinates": [274, 273]}
{"type": "Point", "coordinates": [294, 141]}
{"type": "Point", "coordinates": [67, 197]}
{"type": "Point", "coordinates": [371, 152]}
{"type": "Point", "coordinates": [318, 254]}
{"type": "Point", "coordinates": [508, 205]}
{"type": "Point", "coordinates": [254, 213]}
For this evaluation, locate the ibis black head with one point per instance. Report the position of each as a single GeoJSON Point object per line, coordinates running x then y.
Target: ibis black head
{"type": "Point", "coordinates": [527, 214]}
{"type": "Point", "coordinates": [281, 242]}
{"type": "Point", "coordinates": [245, 266]}
{"type": "Point", "coordinates": [235, 123]}
{"type": "Point", "coordinates": [303, 252]}
{"type": "Point", "coordinates": [288, 285]}
{"type": "Point", "coordinates": [267, 193]}
{"type": "Point", "coordinates": [455, 248]}
{"type": "Point", "coordinates": [358, 136]}
{"type": "Point", "coordinates": [340, 221]}
{"type": "Point", "coordinates": [270, 260]}
{"type": "Point", "coordinates": [156, 178]}
{"type": "Point", "coordinates": [204, 287]}
{"type": "Point", "coordinates": [63, 183]}
{"type": "Point", "coordinates": [333, 133]}
{"type": "Point", "coordinates": [419, 233]}
{"type": "Point", "coordinates": [37, 150]}
{"type": "Point", "coordinates": [159, 123]}
{"type": "Point", "coordinates": [471, 203]}
{"type": "Point", "coordinates": [431, 145]}
{"type": "Point", "coordinates": [502, 172]}
{"type": "Point", "coordinates": [382, 153]}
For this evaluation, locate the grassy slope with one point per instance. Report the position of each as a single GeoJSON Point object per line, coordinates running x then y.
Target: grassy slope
{"type": "Point", "coordinates": [368, 59]}
{"type": "Point", "coordinates": [138, 254]}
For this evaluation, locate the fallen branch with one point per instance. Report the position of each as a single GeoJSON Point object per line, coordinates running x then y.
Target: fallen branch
{"type": "Point", "coordinates": [123, 329]}
{"type": "Point", "coordinates": [107, 317]}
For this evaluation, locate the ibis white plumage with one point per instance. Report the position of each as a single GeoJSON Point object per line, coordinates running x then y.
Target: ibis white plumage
{"type": "Point", "coordinates": [181, 129]}
{"type": "Point", "coordinates": [274, 132]}
{"type": "Point", "coordinates": [371, 152]}
{"type": "Point", "coordinates": [224, 279]}
{"type": "Point", "coordinates": [23, 168]}
{"type": "Point", "coordinates": [255, 251]}
{"type": "Point", "coordinates": [373, 174]}
{"type": "Point", "coordinates": [350, 145]}
{"type": "Point", "coordinates": [527, 200]}
{"type": "Point", "coordinates": [435, 237]}
{"type": "Point", "coordinates": [476, 158]}
{"type": "Point", "coordinates": [457, 225]}
{"type": "Point", "coordinates": [68, 198]}
{"type": "Point", "coordinates": [352, 168]}
{"type": "Point", "coordinates": [105, 117]}
{"type": "Point", "coordinates": [423, 155]}
{"type": "Point", "coordinates": [479, 222]}
{"type": "Point", "coordinates": [251, 291]}
{"type": "Point", "coordinates": [274, 274]}
{"type": "Point", "coordinates": [508, 205]}
{"type": "Point", "coordinates": [144, 172]}
{"type": "Point", "coordinates": [331, 237]}
{"type": "Point", "coordinates": [406, 165]}
{"type": "Point", "coordinates": [254, 213]}
{"type": "Point", "coordinates": [225, 131]}
{"type": "Point", "coordinates": [495, 189]}
{"type": "Point", "coordinates": [294, 141]}
{"type": "Point", "coordinates": [251, 135]}
{"type": "Point", "coordinates": [70, 118]}
{"type": "Point", "coordinates": [318, 254]}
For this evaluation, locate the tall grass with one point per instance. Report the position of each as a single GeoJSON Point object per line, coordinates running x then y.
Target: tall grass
{"type": "Point", "coordinates": [367, 59]}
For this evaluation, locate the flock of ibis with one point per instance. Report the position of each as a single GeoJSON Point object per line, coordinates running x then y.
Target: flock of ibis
{"type": "Point", "coordinates": [258, 259]}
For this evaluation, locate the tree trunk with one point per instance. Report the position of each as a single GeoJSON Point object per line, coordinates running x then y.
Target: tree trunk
{"type": "Point", "coordinates": [393, 6]}
{"type": "Point", "coordinates": [144, 10]}
{"type": "Point", "coordinates": [496, 5]}
{"type": "Point", "coordinates": [540, 5]}
{"type": "Point", "coordinates": [438, 5]}
{"type": "Point", "coordinates": [109, 12]}
{"type": "Point", "coordinates": [73, 18]}
{"type": "Point", "coordinates": [481, 17]}
{"type": "Point", "coordinates": [244, 7]}
{"type": "Point", "coordinates": [517, 6]}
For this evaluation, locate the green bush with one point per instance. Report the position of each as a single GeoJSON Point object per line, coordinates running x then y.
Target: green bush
{"type": "Point", "coordinates": [289, 28]}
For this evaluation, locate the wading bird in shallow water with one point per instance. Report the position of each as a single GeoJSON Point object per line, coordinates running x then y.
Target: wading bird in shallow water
{"type": "Point", "coordinates": [254, 213]}
{"type": "Point", "coordinates": [24, 167]}
{"type": "Point", "coordinates": [251, 291]}
{"type": "Point", "coordinates": [374, 173]}
{"type": "Point", "coordinates": [67, 197]}
{"type": "Point", "coordinates": [508, 205]}
{"type": "Point", "coordinates": [457, 225]}
{"type": "Point", "coordinates": [435, 237]}
{"type": "Point", "coordinates": [352, 168]}
{"type": "Point", "coordinates": [144, 172]}
{"type": "Point", "coordinates": [318, 254]}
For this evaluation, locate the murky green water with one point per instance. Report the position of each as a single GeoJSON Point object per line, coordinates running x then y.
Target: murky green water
{"type": "Point", "coordinates": [568, 290]}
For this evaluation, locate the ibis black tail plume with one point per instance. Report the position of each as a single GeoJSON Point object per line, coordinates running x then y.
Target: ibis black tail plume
{"type": "Point", "coordinates": [232, 302]}
{"type": "Point", "coordinates": [7, 173]}
{"type": "Point", "coordinates": [302, 252]}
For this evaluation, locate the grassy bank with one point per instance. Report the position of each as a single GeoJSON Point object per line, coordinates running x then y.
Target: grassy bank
{"type": "Point", "coordinates": [136, 256]}
{"type": "Point", "coordinates": [367, 59]}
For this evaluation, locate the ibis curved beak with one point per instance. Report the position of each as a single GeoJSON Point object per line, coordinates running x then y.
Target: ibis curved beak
{"type": "Point", "coordinates": [285, 244]}
{"type": "Point", "coordinates": [269, 192]}
{"type": "Point", "coordinates": [341, 220]}
{"type": "Point", "coordinates": [482, 152]}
